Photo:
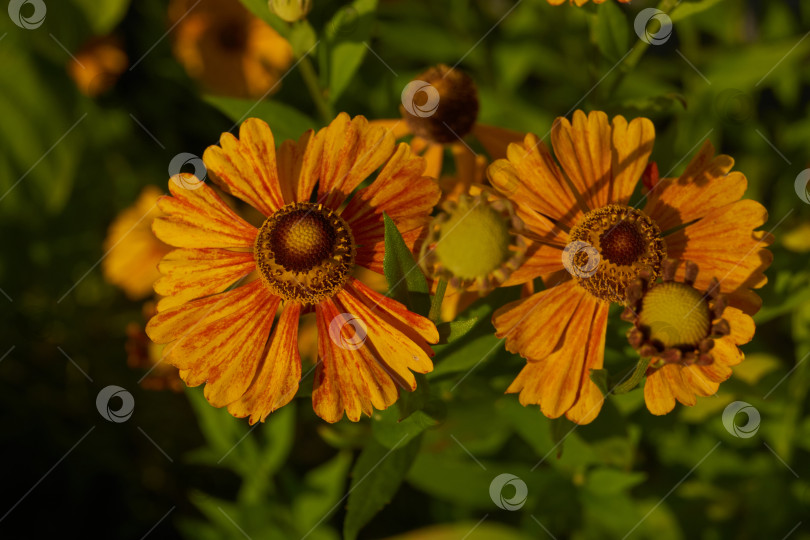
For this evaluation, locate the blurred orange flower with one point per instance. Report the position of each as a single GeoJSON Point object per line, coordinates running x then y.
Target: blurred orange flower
{"type": "Point", "coordinates": [233, 53]}
{"type": "Point", "coordinates": [98, 65]}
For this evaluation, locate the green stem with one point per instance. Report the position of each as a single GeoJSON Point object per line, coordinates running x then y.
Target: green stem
{"type": "Point", "coordinates": [631, 60]}
{"type": "Point", "coordinates": [311, 80]}
{"type": "Point", "coordinates": [635, 378]}
{"type": "Point", "coordinates": [436, 304]}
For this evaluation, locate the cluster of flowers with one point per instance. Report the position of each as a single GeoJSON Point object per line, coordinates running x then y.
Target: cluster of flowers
{"type": "Point", "coordinates": [235, 281]}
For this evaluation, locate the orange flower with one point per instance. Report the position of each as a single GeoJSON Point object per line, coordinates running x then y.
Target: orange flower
{"type": "Point", "coordinates": [304, 254]}
{"type": "Point", "coordinates": [232, 52]}
{"type": "Point", "coordinates": [133, 251]}
{"type": "Point", "coordinates": [440, 108]}
{"type": "Point", "coordinates": [98, 65]}
{"type": "Point", "coordinates": [691, 337]}
{"type": "Point", "coordinates": [589, 245]}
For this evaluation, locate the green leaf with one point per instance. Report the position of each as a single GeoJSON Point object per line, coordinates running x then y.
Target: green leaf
{"type": "Point", "coordinates": [346, 35]}
{"type": "Point", "coordinates": [436, 302]}
{"type": "Point", "coordinates": [451, 331]}
{"type": "Point", "coordinates": [600, 379]}
{"type": "Point", "coordinates": [321, 491]}
{"type": "Point", "coordinates": [391, 430]}
{"type": "Point", "coordinates": [376, 477]}
{"type": "Point", "coordinates": [222, 432]}
{"type": "Point", "coordinates": [406, 282]}
{"type": "Point", "coordinates": [285, 121]}
{"type": "Point", "coordinates": [611, 31]}
{"type": "Point", "coordinates": [103, 16]}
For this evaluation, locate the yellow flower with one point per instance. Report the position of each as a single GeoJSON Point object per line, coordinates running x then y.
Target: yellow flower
{"type": "Point", "coordinates": [217, 328]}
{"type": "Point", "coordinates": [232, 52]}
{"type": "Point", "coordinates": [440, 110]}
{"type": "Point", "coordinates": [588, 245]}
{"type": "Point", "coordinates": [691, 337]}
{"type": "Point", "coordinates": [98, 65]}
{"type": "Point", "coordinates": [133, 251]}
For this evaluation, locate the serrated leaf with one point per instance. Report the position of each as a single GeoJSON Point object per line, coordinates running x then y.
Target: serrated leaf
{"type": "Point", "coordinates": [285, 121]}
{"type": "Point", "coordinates": [451, 331]}
{"type": "Point", "coordinates": [406, 282]}
{"type": "Point", "coordinates": [376, 477]}
{"type": "Point", "coordinates": [391, 430]}
{"type": "Point", "coordinates": [347, 34]}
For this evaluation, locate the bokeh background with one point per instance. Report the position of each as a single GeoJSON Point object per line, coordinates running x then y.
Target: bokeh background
{"type": "Point", "coordinates": [98, 97]}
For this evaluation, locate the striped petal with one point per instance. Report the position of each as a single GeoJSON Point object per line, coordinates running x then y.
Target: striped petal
{"type": "Point", "coordinates": [349, 381]}
{"type": "Point", "coordinates": [632, 146]}
{"type": "Point", "coordinates": [400, 191]}
{"type": "Point", "coordinates": [583, 148]}
{"type": "Point", "coordinates": [590, 399]}
{"type": "Point", "coordinates": [496, 140]}
{"type": "Point", "coordinates": [536, 326]}
{"type": "Point", "coordinates": [279, 372]}
{"type": "Point", "coordinates": [703, 188]}
{"type": "Point", "coordinates": [246, 167]}
{"type": "Point", "coordinates": [352, 150]}
{"type": "Point", "coordinates": [531, 178]}
{"type": "Point", "coordinates": [198, 218]}
{"type": "Point", "coordinates": [299, 164]}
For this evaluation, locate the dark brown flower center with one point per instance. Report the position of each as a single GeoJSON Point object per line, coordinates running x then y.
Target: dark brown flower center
{"type": "Point", "coordinates": [445, 108]}
{"type": "Point", "coordinates": [304, 252]}
{"type": "Point", "coordinates": [611, 247]}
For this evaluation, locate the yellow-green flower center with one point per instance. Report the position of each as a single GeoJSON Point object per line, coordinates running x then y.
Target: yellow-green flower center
{"type": "Point", "coordinates": [675, 314]}
{"type": "Point", "coordinates": [304, 252]}
{"type": "Point", "coordinates": [473, 241]}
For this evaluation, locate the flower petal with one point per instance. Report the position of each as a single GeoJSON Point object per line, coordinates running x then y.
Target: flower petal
{"type": "Point", "coordinates": [554, 382]}
{"type": "Point", "coordinates": [177, 322]}
{"type": "Point", "coordinates": [704, 187]}
{"type": "Point", "coordinates": [534, 326]}
{"type": "Point", "coordinates": [225, 353]}
{"type": "Point", "coordinates": [724, 245]}
{"type": "Point", "coordinates": [632, 146]}
{"type": "Point", "coordinates": [246, 167]}
{"type": "Point", "coordinates": [590, 399]}
{"type": "Point", "coordinates": [278, 375]}
{"type": "Point", "coordinates": [496, 140]}
{"type": "Point", "coordinates": [531, 178]}
{"type": "Point", "coordinates": [402, 192]}
{"type": "Point", "coordinates": [198, 218]}
{"type": "Point", "coordinates": [584, 152]}
{"type": "Point", "coordinates": [657, 394]}
{"type": "Point", "coordinates": [350, 381]}
{"type": "Point", "coordinates": [193, 273]}
{"type": "Point", "coordinates": [299, 163]}
{"type": "Point", "coordinates": [352, 150]}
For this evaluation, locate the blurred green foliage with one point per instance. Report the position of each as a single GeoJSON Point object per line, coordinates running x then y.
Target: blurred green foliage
{"type": "Point", "coordinates": [733, 71]}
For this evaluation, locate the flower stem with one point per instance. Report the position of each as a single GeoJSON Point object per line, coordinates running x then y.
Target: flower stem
{"type": "Point", "coordinates": [311, 80]}
{"type": "Point", "coordinates": [631, 60]}
{"type": "Point", "coordinates": [635, 378]}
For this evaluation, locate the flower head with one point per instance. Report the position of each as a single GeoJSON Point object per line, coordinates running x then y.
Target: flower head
{"type": "Point", "coordinates": [223, 45]}
{"type": "Point", "coordinates": [589, 246]}
{"type": "Point", "coordinates": [97, 65]}
{"type": "Point", "coordinates": [692, 337]}
{"type": "Point", "coordinates": [218, 323]}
